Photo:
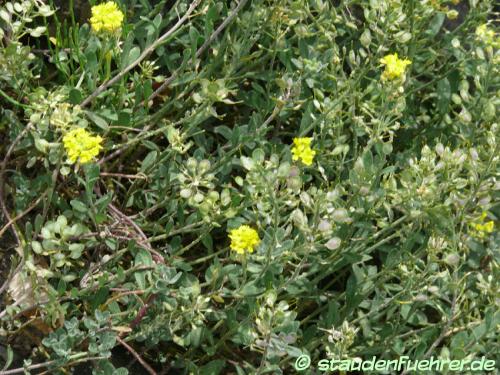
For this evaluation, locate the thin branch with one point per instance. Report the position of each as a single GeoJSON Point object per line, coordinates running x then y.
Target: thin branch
{"type": "Point", "coordinates": [121, 175]}
{"type": "Point", "coordinates": [444, 331]}
{"type": "Point", "coordinates": [222, 26]}
{"type": "Point", "coordinates": [144, 54]}
{"type": "Point", "coordinates": [12, 221]}
{"type": "Point", "coordinates": [2, 180]}
{"type": "Point", "coordinates": [143, 310]}
{"type": "Point", "coordinates": [156, 255]}
{"type": "Point", "coordinates": [13, 101]}
{"type": "Point", "coordinates": [21, 370]}
{"type": "Point", "coordinates": [445, 328]}
{"type": "Point", "coordinates": [8, 280]}
{"type": "Point", "coordinates": [174, 75]}
{"type": "Point", "coordinates": [121, 216]}
{"type": "Point", "coordinates": [137, 356]}
{"type": "Point", "coordinates": [200, 50]}
{"type": "Point", "coordinates": [69, 298]}
{"type": "Point", "coordinates": [4, 229]}
{"type": "Point", "coordinates": [111, 156]}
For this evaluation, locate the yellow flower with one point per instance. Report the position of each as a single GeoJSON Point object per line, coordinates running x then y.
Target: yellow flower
{"type": "Point", "coordinates": [487, 36]}
{"type": "Point", "coordinates": [244, 239]}
{"type": "Point", "coordinates": [81, 145]}
{"type": "Point", "coordinates": [394, 66]}
{"type": "Point", "coordinates": [302, 150]}
{"type": "Point", "coordinates": [486, 227]}
{"type": "Point", "coordinates": [482, 228]}
{"type": "Point", "coordinates": [106, 17]}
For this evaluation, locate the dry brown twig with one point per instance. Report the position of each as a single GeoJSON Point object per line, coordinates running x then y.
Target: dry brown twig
{"type": "Point", "coordinates": [144, 364]}
{"type": "Point", "coordinates": [22, 214]}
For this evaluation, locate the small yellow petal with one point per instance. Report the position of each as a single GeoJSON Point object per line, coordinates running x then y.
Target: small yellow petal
{"type": "Point", "coordinates": [394, 66]}
{"type": "Point", "coordinates": [244, 239]}
{"type": "Point", "coordinates": [489, 226]}
{"type": "Point", "coordinates": [106, 17]}
{"type": "Point", "coordinates": [302, 150]}
{"type": "Point", "coordinates": [81, 146]}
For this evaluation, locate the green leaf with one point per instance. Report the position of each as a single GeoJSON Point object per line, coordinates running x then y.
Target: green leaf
{"type": "Point", "coordinates": [443, 91]}
{"type": "Point", "coordinates": [61, 287]}
{"type": "Point", "coordinates": [38, 222]}
{"type": "Point", "coordinates": [127, 46]}
{"type": "Point", "coordinates": [224, 131]}
{"type": "Point", "coordinates": [210, 17]}
{"type": "Point", "coordinates": [193, 36]}
{"type": "Point", "coordinates": [133, 55]}
{"type": "Point", "coordinates": [143, 257]}
{"type": "Point", "coordinates": [37, 247]}
{"type": "Point", "coordinates": [250, 289]}
{"type": "Point", "coordinates": [108, 340]}
{"type": "Point", "coordinates": [79, 205]}
{"type": "Point", "coordinates": [99, 298]}
{"type": "Point", "coordinates": [76, 250]}
{"type": "Point", "coordinates": [109, 114]}
{"type": "Point", "coordinates": [367, 160]}
{"type": "Point", "coordinates": [123, 118]}
{"type": "Point", "coordinates": [306, 117]}
{"type": "Point", "coordinates": [213, 367]}
{"type": "Point", "coordinates": [98, 120]}
{"type": "Point", "coordinates": [10, 357]}
{"type": "Point", "coordinates": [75, 96]}
{"type": "Point", "coordinates": [92, 174]}
{"type": "Point", "coordinates": [157, 21]}
{"type": "Point", "coordinates": [258, 155]}
{"type": "Point", "coordinates": [352, 296]}
{"type": "Point", "coordinates": [206, 240]}
{"type": "Point", "coordinates": [436, 23]}
{"type": "Point", "coordinates": [247, 163]}
{"type": "Point", "coordinates": [195, 336]}
{"type": "Point", "coordinates": [149, 161]}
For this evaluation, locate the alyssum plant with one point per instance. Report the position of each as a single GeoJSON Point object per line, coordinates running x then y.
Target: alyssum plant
{"type": "Point", "coordinates": [208, 187]}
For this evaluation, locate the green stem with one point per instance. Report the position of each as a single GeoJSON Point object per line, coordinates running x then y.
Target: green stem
{"type": "Point", "coordinates": [13, 101]}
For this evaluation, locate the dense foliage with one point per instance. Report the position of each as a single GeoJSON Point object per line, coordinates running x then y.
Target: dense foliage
{"type": "Point", "coordinates": [218, 187]}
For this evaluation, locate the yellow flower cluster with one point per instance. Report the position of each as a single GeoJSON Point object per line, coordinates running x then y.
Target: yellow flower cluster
{"type": "Point", "coordinates": [487, 36]}
{"type": "Point", "coordinates": [482, 228]}
{"type": "Point", "coordinates": [106, 17]}
{"type": "Point", "coordinates": [394, 66]}
{"type": "Point", "coordinates": [81, 146]}
{"type": "Point", "coordinates": [244, 239]}
{"type": "Point", "coordinates": [302, 150]}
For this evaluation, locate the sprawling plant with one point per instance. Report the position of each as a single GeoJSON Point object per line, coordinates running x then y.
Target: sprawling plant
{"type": "Point", "coordinates": [210, 187]}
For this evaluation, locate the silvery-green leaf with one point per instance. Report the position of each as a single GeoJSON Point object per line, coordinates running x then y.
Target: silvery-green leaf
{"type": "Point", "coordinates": [37, 247]}
{"type": "Point", "coordinates": [38, 31]}
{"type": "Point", "coordinates": [185, 193]}
{"type": "Point", "coordinates": [333, 243]}
{"type": "Point", "coordinates": [247, 163]}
